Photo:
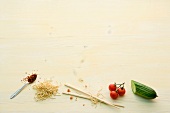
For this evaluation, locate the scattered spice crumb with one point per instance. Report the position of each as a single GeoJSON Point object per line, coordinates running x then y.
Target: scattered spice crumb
{"type": "Point", "coordinates": [68, 90]}
{"type": "Point", "coordinates": [85, 86]}
{"type": "Point", "coordinates": [83, 104]}
{"type": "Point", "coordinates": [74, 72]}
{"type": "Point", "coordinates": [71, 97]}
{"type": "Point", "coordinates": [93, 100]}
{"type": "Point", "coordinates": [82, 61]}
{"type": "Point", "coordinates": [81, 80]}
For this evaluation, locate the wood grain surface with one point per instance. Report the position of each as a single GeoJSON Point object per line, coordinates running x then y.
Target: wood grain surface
{"type": "Point", "coordinates": [98, 41]}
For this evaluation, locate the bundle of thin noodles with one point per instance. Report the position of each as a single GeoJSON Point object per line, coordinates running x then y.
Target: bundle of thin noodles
{"type": "Point", "coordinates": [45, 90]}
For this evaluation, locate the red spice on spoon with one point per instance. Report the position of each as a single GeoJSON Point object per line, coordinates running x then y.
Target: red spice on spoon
{"type": "Point", "coordinates": [30, 78]}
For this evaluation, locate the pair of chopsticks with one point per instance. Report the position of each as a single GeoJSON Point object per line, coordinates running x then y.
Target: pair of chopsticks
{"type": "Point", "coordinates": [88, 96]}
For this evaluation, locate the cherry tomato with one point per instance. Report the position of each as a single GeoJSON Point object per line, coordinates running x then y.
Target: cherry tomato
{"type": "Point", "coordinates": [121, 91]}
{"type": "Point", "coordinates": [113, 94]}
{"type": "Point", "coordinates": [112, 87]}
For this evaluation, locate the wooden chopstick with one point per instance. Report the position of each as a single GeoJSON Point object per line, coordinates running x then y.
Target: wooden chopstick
{"type": "Point", "coordinates": [89, 95]}
{"type": "Point", "coordinates": [76, 95]}
{"type": "Point", "coordinates": [85, 97]}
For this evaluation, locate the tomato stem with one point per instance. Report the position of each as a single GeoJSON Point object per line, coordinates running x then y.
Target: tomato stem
{"type": "Point", "coordinates": [121, 85]}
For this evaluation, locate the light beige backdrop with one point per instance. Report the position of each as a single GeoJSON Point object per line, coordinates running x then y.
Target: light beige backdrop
{"type": "Point", "coordinates": [99, 41]}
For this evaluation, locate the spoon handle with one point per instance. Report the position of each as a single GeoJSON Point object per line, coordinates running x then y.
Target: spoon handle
{"type": "Point", "coordinates": [18, 91]}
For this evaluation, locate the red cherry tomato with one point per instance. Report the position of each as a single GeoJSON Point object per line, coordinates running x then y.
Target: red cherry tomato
{"type": "Point", "coordinates": [113, 94]}
{"type": "Point", "coordinates": [121, 91]}
{"type": "Point", "coordinates": [112, 87]}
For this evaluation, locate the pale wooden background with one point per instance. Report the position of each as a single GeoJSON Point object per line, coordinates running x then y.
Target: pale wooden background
{"type": "Point", "coordinates": [100, 41]}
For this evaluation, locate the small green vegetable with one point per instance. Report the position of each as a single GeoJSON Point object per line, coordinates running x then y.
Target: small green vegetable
{"type": "Point", "coordinates": [143, 90]}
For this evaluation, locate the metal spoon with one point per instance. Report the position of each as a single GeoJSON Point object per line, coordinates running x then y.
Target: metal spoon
{"type": "Point", "coordinates": [18, 91]}
{"type": "Point", "coordinates": [31, 79]}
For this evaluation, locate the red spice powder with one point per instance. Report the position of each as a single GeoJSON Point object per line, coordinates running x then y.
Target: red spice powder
{"type": "Point", "coordinates": [30, 78]}
{"type": "Point", "coordinates": [71, 98]}
{"type": "Point", "coordinates": [68, 90]}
